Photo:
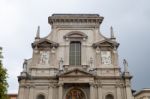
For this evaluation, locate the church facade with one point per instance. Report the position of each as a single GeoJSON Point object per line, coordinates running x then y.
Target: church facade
{"type": "Point", "coordinates": [74, 61]}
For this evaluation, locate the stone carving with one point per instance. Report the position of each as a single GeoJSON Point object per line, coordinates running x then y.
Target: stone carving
{"type": "Point", "coordinates": [61, 64]}
{"type": "Point", "coordinates": [125, 63]}
{"type": "Point", "coordinates": [97, 50]}
{"type": "Point", "coordinates": [106, 57]}
{"type": "Point", "coordinates": [25, 65]}
{"type": "Point", "coordinates": [44, 59]}
{"type": "Point", "coordinates": [53, 50]}
{"type": "Point", "coordinates": [91, 63]}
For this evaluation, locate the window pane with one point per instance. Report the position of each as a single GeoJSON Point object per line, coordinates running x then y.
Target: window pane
{"type": "Point", "coordinates": [75, 53]}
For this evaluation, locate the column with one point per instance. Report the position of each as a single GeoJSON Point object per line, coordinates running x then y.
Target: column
{"type": "Point", "coordinates": [100, 91]}
{"type": "Point", "coordinates": [98, 57]}
{"type": "Point", "coordinates": [60, 91]}
{"type": "Point", "coordinates": [83, 52]}
{"type": "Point", "coordinates": [50, 92]}
{"type": "Point", "coordinates": [26, 96]}
{"type": "Point", "coordinates": [31, 92]}
{"type": "Point", "coordinates": [21, 92]}
{"type": "Point", "coordinates": [115, 57]}
{"type": "Point", "coordinates": [129, 94]}
{"type": "Point", "coordinates": [118, 92]}
{"type": "Point", "coordinates": [92, 91]}
{"type": "Point", "coordinates": [128, 90]}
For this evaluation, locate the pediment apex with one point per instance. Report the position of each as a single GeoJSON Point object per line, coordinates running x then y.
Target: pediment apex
{"type": "Point", "coordinates": [106, 42]}
{"type": "Point", "coordinates": [76, 72]}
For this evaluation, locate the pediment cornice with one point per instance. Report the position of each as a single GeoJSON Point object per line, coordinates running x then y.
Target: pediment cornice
{"type": "Point", "coordinates": [76, 72]}
{"type": "Point", "coordinates": [42, 43]}
{"type": "Point", "coordinates": [106, 43]}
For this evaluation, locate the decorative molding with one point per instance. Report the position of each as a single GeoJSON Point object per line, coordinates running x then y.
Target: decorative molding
{"type": "Point", "coordinates": [106, 43]}
{"type": "Point", "coordinates": [44, 44]}
{"type": "Point", "coordinates": [75, 35]}
{"type": "Point", "coordinates": [75, 18]}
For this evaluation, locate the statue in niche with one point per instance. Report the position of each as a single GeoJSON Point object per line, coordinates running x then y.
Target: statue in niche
{"type": "Point", "coordinates": [91, 63]}
{"type": "Point", "coordinates": [44, 58]}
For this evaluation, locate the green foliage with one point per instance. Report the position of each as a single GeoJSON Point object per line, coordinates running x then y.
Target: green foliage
{"type": "Point", "coordinates": [3, 82]}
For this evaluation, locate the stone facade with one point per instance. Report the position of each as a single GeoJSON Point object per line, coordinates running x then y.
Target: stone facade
{"type": "Point", "coordinates": [143, 94]}
{"type": "Point", "coordinates": [74, 61]}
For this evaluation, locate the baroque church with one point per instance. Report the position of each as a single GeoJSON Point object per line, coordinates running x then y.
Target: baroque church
{"type": "Point", "coordinates": [74, 61]}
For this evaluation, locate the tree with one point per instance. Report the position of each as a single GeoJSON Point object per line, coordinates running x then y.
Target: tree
{"type": "Point", "coordinates": [3, 79]}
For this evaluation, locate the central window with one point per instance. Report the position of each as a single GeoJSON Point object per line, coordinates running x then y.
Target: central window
{"type": "Point", "coordinates": [75, 53]}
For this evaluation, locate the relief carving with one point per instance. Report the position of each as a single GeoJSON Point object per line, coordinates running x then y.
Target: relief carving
{"type": "Point", "coordinates": [44, 58]}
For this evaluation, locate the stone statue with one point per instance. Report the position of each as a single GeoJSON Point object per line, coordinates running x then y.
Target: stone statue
{"type": "Point", "coordinates": [91, 64]}
{"type": "Point", "coordinates": [61, 64]}
{"type": "Point", "coordinates": [125, 63]}
{"type": "Point", "coordinates": [25, 65]}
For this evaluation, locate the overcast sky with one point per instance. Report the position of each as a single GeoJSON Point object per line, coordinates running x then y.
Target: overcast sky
{"type": "Point", "coordinates": [130, 19]}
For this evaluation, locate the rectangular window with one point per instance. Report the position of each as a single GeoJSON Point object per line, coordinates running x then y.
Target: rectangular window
{"type": "Point", "coordinates": [75, 53]}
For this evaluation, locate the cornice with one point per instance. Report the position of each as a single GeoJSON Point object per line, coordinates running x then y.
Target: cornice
{"type": "Point", "coordinates": [75, 19]}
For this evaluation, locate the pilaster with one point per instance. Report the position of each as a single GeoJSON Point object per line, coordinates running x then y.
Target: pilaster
{"type": "Point", "coordinates": [21, 92]}
{"type": "Point", "coordinates": [92, 91]}
{"type": "Point", "coordinates": [128, 90]}
{"type": "Point", "coordinates": [98, 57]}
{"type": "Point", "coordinates": [115, 56]}
{"type": "Point", "coordinates": [60, 96]}
{"type": "Point", "coordinates": [50, 92]}
{"type": "Point", "coordinates": [31, 92]}
{"type": "Point", "coordinates": [118, 86]}
{"type": "Point", "coordinates": [99, 91]}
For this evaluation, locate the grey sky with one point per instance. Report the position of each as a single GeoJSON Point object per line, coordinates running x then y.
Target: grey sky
{"type": "Point", "coordinates": [130, 18]}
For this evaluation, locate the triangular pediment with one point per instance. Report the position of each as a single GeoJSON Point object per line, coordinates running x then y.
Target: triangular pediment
{"type": "Point", "coordinates": [106, 42]}
{"type": "Point", "coordinates": [76, 72]}
{"type": "Point", "coordinates": [42, 43]}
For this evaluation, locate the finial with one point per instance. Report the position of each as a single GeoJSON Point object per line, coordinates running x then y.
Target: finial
{"type": "Point", "coordinates": [112, 33]}
{"type": "Point", "coordinates": [125, 63]}
{"type": "Point", "coordinates": [38, 33]}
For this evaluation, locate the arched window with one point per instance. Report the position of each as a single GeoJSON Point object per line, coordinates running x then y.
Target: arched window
{"type": "Point", "coordinates": [75, 94]}
{"type": "Point", "coordinates": [75, 53]}
{"type": "Point", "coordinates": [109, 96]}
{"type": "Point", "coordinates": [40, 97]}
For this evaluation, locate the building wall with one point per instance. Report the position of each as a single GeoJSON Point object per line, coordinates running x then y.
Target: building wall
{"type": "Point", "coordinates": [49, 74]}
